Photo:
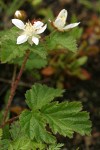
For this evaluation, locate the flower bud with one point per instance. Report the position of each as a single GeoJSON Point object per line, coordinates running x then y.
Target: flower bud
{"type": "Point", "coordinates": [20, 14]}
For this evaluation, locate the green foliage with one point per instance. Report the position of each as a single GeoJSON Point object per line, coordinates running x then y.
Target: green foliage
{"type": "Point", "coordinates": [1, 133]}
{"type": "Point", "coordinates": [55, 146]}
{"type": "Point", "coordinates": [78, 62]}
{"type": "Point", "coordinates": [77, 32]}
{"type": "Point", "coordinates": [35, 2]}
{"type": "Point", "coordinates": [91, 5]}
{"type": "Point", "coordinates": [40, 95]}
{"type": "Point", "coordinates": [64, 40]}
{"type": "Point", "coordinates": [64, 118]}
{"type": "Point", "coordinates": [20, 141]}
{"type": "Point", "coordinates": [4, 144]}
{"type": "Point", "coordinates": [10, 50]}
{"type": "Point", "coordinates": [34, 61]}
{"type": "Point", "coordinates": [37, 127]}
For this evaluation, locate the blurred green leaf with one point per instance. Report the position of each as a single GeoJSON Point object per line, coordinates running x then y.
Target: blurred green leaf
{"type": "Point", "coordinates": [34, 61]}
{"type": "Point", "coordinates": [64, 40]}
{"type": "Point", "coordinates": [78, 62]}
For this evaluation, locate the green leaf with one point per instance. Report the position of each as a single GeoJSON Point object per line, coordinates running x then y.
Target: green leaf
{"type": "Point", "coordinates": [4, 144]}
{"type": "Point", "coordinates": [34, 61]}
{"type": "Point", "coordinates": [64, 40]}
{"type": "Point", "coordinates": [36, 2]}
{"type": "Point", "coordinates": [34, 126]}
{"type": "Point", "coordinates": [78, 62]}
{"type": "Point", "coordinates": [23, 143]}
{"type": "Point", "coordinates": [87, 3]}
{"type": "Point", "coordinates": [20, 140]}
{"type": "Point", "coordinates": [1, 133]}
{"type": "Point", "coordinates": [10, 50]}
{"type": "Point", "coordinates": [66, 118]}
{"type": "Point", "coordinates": [39, 49]}
{"type": "Point", "coordinates": [77, 32]}
{"type": "Point", "coordinates": [41, 95]}
{"type": "Point", "coordinates": [55, 146]}
{"type": "Point", "coordinates": [15, 130]}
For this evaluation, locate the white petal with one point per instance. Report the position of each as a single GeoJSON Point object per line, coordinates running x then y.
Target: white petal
{"type": "Point", "coordinates": [72, 25]}
{"type": "Point", "coordinates": [38, 24]}
{"type": "Point", "coordinates": [18, 23]}
{"type": "Point", "coordinates": [22, 38]}
{"type": "Point", "coordinates": [41, 30]}
{"type": "Point", "coordinates": [61, 19]}
{"type": "Point", "coordinates": [35, 40]}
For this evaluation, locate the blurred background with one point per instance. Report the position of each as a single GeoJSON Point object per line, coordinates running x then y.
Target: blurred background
{"type": "Point", "coordinates": [78, 73]}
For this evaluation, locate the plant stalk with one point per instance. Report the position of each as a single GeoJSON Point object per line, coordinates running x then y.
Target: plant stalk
{"type": "Point", "coordinates": [9, 121]}
{"type": "Point", "coordinates": [14, 86]}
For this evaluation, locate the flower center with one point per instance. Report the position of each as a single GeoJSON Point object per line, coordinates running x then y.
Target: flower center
{"type": "Point", "coordinates": [29, 30]}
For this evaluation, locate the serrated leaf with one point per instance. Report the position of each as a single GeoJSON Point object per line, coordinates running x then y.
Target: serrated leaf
{"type": "Point", "coordinates": [4, 144]}
{"type": "Point", "coordinates": [77, 32]}
{"type": "Point", "coordinates": [10, 50]}
{"type": "Point", "coordinates": [40, 50]}
{"type": "Point", "coordinates": [41, 95]}
{"type": "Point", "coordinates": [64, 40]}
{"type": "Point", "coordinates": [22, 143]}
{"type": "Point", "coordinates": [55, 146]}
{"type": "Point", "coordinates": [15, 131]}
{"type": "Point", "coordinates": [34, 126]}
{"type": "Point", "coordinates": [66, 118]}
{"type": "Point", "coordinates": [34, 61]}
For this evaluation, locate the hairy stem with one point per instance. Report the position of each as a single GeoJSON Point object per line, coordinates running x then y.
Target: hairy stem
{"type": "Point", "coordinates": [14, 86]}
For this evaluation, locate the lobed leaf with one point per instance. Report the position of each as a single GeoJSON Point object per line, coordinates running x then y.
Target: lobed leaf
{"type": "Point", "coordinates": [66, 118]}
{"type": "Point", "coordinates": [34, 126]}
{"type": "Point", "coordinates": [41, 95]}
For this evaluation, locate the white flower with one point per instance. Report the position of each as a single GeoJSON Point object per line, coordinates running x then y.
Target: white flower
{"type": "Point", "coordinates": [60, 21]}
{"type": "Point", "coordinates": [30, 32]}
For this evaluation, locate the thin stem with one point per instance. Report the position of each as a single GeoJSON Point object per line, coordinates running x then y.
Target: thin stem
{"type": "Point", "coordinates": [9, 121]}
{"type": "Point", "coordinates": [14, 75]}
{"type": "Point", "coordinates": [20, 83]}
{"type": "Point", "coordinates": [14, 86]}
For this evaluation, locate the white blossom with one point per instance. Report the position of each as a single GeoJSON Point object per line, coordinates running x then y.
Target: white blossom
{"type": "Point", "coordinates": [29, 32]}
{"type": "Point", "coordinates": [60, 21]}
